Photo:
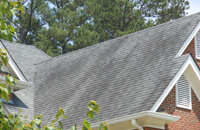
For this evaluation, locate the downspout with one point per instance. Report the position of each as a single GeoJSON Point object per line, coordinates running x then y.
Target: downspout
{"type": "Point", "coordinates": [134, 123]}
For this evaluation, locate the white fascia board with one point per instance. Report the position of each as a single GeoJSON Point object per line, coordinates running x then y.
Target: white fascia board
{"type": "Point", "coordinates": [14, 66]}
{"type": "Point", "coordinates": [189, 39]}
{"type": "Point", "coordinates": [16, 69]}
{"type": "Point", "coordinates": [140, 115]}
{"type": "Point", "coordinates": [19, 84]}
{"type": "Point", "coordinates": [188, 62]}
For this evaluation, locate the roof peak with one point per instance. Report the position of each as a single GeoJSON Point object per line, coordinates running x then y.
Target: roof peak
{"type": "Point", "coordinates": [134, 33]}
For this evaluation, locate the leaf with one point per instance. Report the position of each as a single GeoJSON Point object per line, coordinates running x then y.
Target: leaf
{"type": "Point", "coordinates": [4, 93]}
{"type": "Point", "coordinates": [90, 114]}
{"type": "Point", "coordinates": [50, 128]}
{"type": "Point", "coordinates": [62, 112]}
{"type": "Point", "coordinates": [93, 106]}
{"type": "Point", "coordinates": [60, 123]}
{"type": "Point", "coordinates": [20, 7]}
{"type": "Point", "coordinates": [84, 128]}
{"type": "Point", "coordinates": [96, 117]}
{"type": "Point", "coordinates": [73, 127]}
{"type": "Point", "coordinates": [10, 80]}
{"type": "Point", "coordinates": [100, 126]}
{"type": "Point", "coordinates": [103, 125]}
{"type": "Point", "coordinates": [53, 121]}
{"type": "Point", "coordinates": [9, 89]}
{"type": "Point", "coordinates": [86, 124]}
{"type": "Point", "coordinates": [37, 121]}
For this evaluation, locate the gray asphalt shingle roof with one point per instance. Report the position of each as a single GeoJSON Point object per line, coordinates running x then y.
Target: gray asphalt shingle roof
{"type": "Point", "coordinates": [125, 75]}
{"type": "Point", "coordinates": [25, 57]}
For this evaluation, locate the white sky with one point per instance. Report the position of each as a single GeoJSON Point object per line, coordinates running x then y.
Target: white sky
{"type": "Point", "coordinates": [194, 7]}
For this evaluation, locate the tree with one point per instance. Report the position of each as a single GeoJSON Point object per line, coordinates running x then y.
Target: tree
{"type": "Point", "coordinates": [108, 19]}
{"type": "Point", "coordinates": [27, 23]}
{"type": "Point", "coordinates": [7, 10]}
{"type": "Point", "coordinates": [63, 17]}
{"type": "Point", "coordinates": [60, 26]}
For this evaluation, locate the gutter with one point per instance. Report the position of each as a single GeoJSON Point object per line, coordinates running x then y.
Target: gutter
{"type": "Point", "coordinates": [134, 123]}
{"type": "Point", "coordinates": [134, 117]}
{"type": "Point", "coordinates": [20, 84]}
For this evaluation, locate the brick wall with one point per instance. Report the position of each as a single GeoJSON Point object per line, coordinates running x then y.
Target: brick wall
{"type": "Point", "coordinates": [191, 49]}
{"type": "Point", "coordinates": [149, 128]}
{"type": "Point", "coordinates": [190, 119]}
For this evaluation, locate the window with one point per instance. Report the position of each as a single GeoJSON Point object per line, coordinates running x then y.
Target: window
{"type": "Point", "coordinates": [183, 93]}
{"type": "Point", "coordinates": [197, 45]}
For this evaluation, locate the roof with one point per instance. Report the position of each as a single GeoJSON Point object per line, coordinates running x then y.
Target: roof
{"type": "Point", "coordinates": [23, 99]}
{"type": "Point", "coordinates": [25, 57]}
{"type": "Point", "coordinates": [125, 75]}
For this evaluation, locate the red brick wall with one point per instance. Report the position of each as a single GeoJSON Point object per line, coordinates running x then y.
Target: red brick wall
{"type": "Point", "coordinates": [149, 128]}
{"type": "Point", "coordinates": [190, 119]}
{"type": "Point", "coordinates": [191, 49]}
{"type": "Point", "coordinates": [11, 96]}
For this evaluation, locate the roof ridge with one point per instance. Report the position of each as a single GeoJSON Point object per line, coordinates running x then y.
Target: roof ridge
{"type": "Point", "coordinates": [28, 46]}
{"type": "Point", "coordinates": [140, 31]}
{"type": "Point", "coordinates": [41, 52]}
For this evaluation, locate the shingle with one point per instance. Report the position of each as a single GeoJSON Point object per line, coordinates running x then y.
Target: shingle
{"type": "Point", "coordinates": [125, 75]}
{"type": "Point", "coordinates": [25, 57]}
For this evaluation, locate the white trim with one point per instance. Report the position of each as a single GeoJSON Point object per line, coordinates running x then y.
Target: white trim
{"type": "Point", "coordinates": [145, 115]}
{"type": "Point", "coordinates": [19, 84]}
{"type": "Point", "coordinates": [134, 124]}
{"type": "Point", "coordinates": [189, 39]}
{"type": "Point", "coordinates": [14, 66]}
{"type": "Point", "coordinates": [188, 62]}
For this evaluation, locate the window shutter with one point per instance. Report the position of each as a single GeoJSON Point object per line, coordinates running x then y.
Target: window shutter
{"type": "Point", "coordinates": [183, 93]}
{"type": "Point", "coordinates": [197, 42]}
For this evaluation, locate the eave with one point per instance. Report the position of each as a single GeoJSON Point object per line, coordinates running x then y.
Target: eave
{"type": "Point", "coordinates": [19, 84]}
{"type": "Point", "coordinates": [142, 119]}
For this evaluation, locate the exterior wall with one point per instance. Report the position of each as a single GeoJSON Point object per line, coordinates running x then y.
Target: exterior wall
{"type": "Point", "coordinates": [149, 128]}
{"type": "Point", "coordinates": [191, 49]}
{"type": "Point", "coordinates": [190, 119]}
{"type": "Point", "coordinates": [11, 96]}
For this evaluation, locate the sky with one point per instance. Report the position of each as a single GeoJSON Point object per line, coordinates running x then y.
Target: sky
{"type": "Point", "coordinates": [194, 7]}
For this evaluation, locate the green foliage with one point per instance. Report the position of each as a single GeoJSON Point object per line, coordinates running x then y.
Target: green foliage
{"type": "Point", "coordinates": [7, 31]}
{"type": "Point", "coordinates": [75, 24]}
{"type": "Point", "coordinates": [15, 121]}
{"type": "Point", "coordinates": [60, 26]}
{"type": "Point", "coordinates": [7, 11]}
{"type": "Point", "coordinates": [103, 126]}
{"type": "Point", "coordinates": [5, 89]}
{"type": "Point", "coordinates": [63, 19]}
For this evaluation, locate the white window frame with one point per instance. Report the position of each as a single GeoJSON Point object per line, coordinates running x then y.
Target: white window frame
{"type": "Point", "coordinates": [190, 94]}
{"type": "Point", "coordinates": [196, 46]}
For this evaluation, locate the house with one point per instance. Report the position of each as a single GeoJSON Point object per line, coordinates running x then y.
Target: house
{"type": "Point", "coordinates": [147, 80]}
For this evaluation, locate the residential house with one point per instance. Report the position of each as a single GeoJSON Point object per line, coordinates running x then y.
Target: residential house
{"type": "Point", "coordinates": [147, 80]}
